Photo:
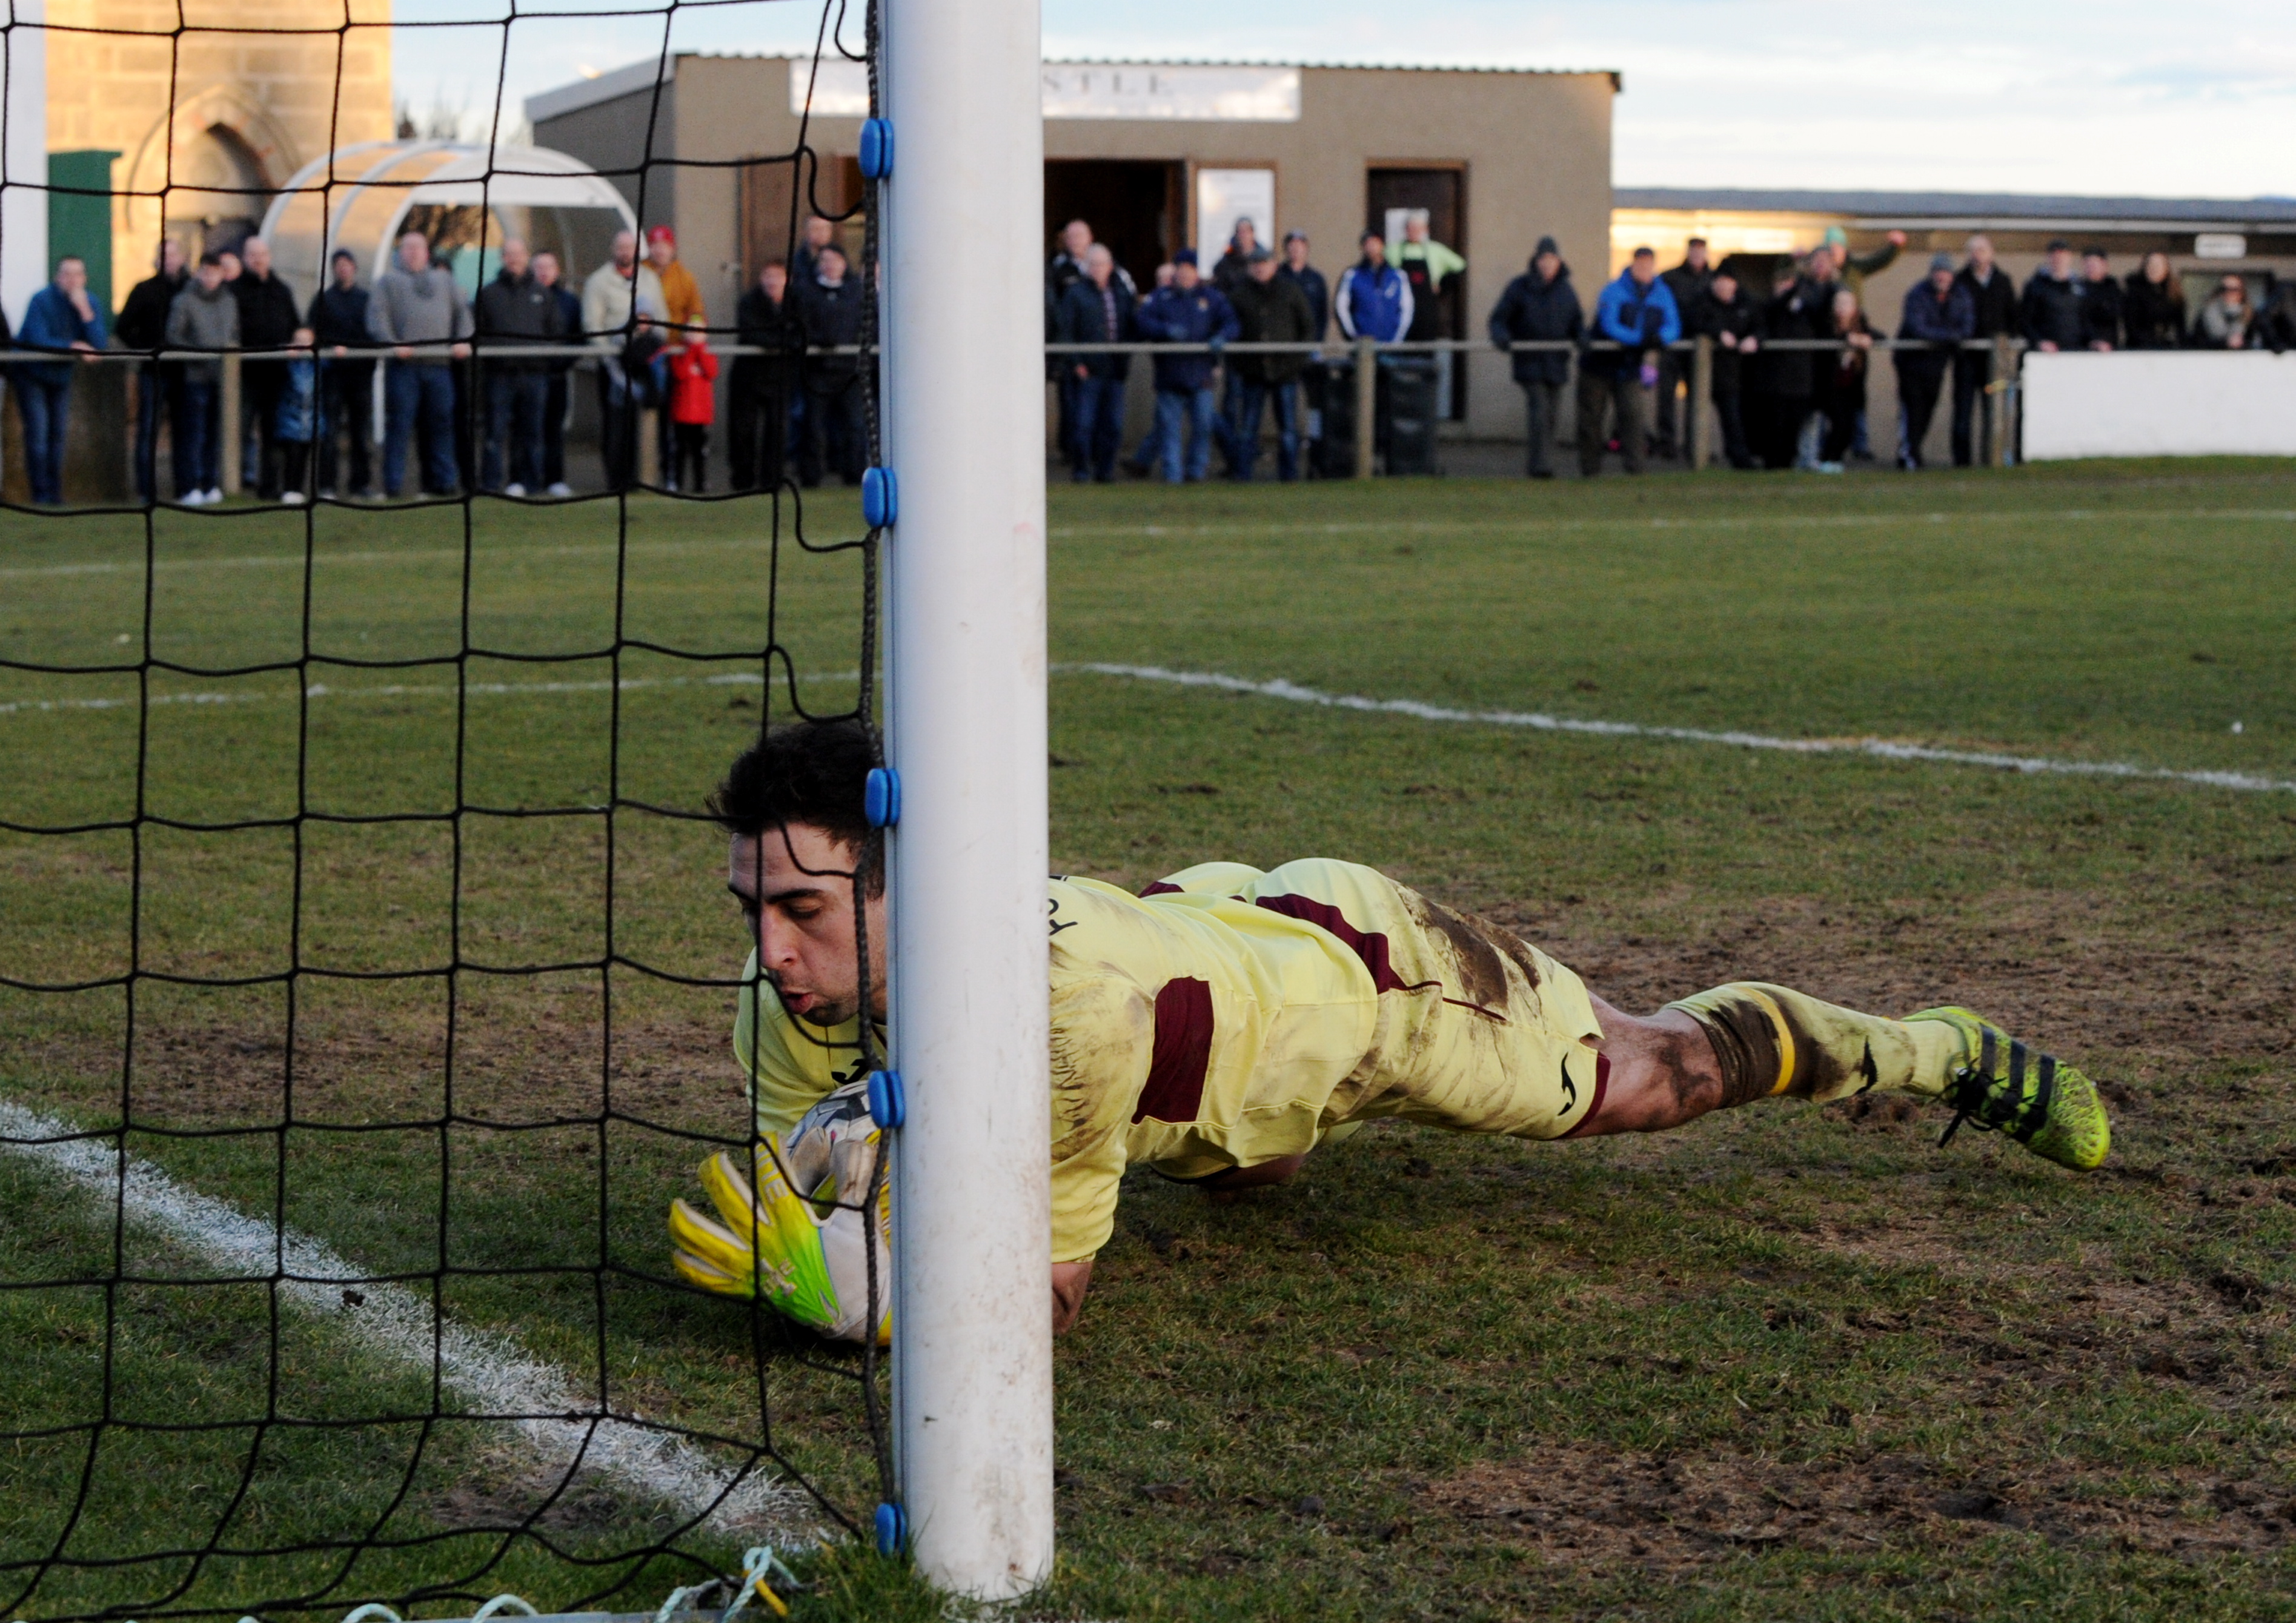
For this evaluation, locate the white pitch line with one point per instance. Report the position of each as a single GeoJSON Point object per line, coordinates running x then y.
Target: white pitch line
{"type": "Point", "coordinates": [485, 1370]}
{"type": "Point", "coordinates": [1882, 748]}
{"type": "Point", "coordinates": [320, 690]}
{"type": "Point", "coordinates": [1561, 521]}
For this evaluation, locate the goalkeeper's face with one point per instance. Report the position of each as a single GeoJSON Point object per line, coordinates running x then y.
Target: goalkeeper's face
{"type": "Point", "coordinates": [795, 885]}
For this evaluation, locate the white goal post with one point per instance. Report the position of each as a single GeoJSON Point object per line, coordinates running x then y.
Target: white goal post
{"type": "Point", "coordinates": [964, 433]}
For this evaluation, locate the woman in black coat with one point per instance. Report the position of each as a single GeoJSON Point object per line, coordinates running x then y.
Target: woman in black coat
{"type": "Point", "coordinates": [2153, 312]}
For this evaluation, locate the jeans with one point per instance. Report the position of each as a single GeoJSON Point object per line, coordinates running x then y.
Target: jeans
{"type": "Point", "coordinates": [1541, 412]}
{"type": "Point", "coordinates": [1730, 409]}
{"type": "Point", "coordinates": [1249, 405]}
{"type": "Point", "coordinates": [554, 428]}
{"type": "Point", "coordinates": [45, 404]}
{"type": "Point", "coordinates": [1623, 395]}
{"type": "Point", "coordinates": [690, 456]}
{"type": "Point", "coordinates": [158, 392]}
{"type": "Point", "coordinates": [515, 402]}
{"type": "Point", "coordinates": [261, 382]}
{"type": "Point", "coordinates": [1095, 426]}
{"type": "Point", "coordinates": [347, 402]}
{"type": "Point", "coordinates": [1227, 426]}
{"type": "Point", "coordinates": [617, 424]}
{"type": "Point", "coordinates": [1921, 378]}
{"type": "Point", "coordinates": [1972, 406]}
{"type": "Point", "coordinates": [837, 437]}
{"type": "Point", "coordinates": [757, 442]}
{"type": "Point", "coordinates": [1196, 408]}
{"type": "Point", "coordinates": [420, 399]}
{"type": "Point", "coordinates": [197, 433]}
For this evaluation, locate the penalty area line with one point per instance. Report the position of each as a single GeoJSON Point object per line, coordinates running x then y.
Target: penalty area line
{"type": "Point", "coordinates": [1879, 749]}
{"type": "Point", "coordinates": [484, 1370]}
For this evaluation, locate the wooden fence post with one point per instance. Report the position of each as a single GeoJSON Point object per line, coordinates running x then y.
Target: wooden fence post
{"type": "Point", "coordinates": [1696, 438]}
{"type": "Point", "coordinates": [229, 433]}
{"type": "Point", "coordinates": [1366, 404]}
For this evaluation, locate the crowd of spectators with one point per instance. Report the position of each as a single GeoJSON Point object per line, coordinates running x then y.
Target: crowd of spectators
{"type": "Point", "coordinates": [1789, 375]}
{"type": "Point", "coordinates": [461, 407]}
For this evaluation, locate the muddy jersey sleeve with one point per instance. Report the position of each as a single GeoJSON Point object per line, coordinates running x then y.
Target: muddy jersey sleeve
{"type": "Point", "coordinates": [1104, 1027]}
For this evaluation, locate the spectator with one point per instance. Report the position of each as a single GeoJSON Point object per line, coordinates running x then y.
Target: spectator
{"type": "Point", "coordinates": [267, 320]}
{"type": "Point", "coordinates": [1636, 313]}
{"type": "Point", "coordinates": [338, 323]}
{"type": "Point", "coordinates": [2227, 321]}
{"type": "Point", "coordinates": [1064, 271]}
{"type": "Point", "coordinates": [1234, 266]}
{"type": "Point", "coordinates": [1374, 301]}
{"type": "Point", "coordinates": [2100, 302]}
{"type": "Point", "coordinates": [552, 276]}
{"type": "Point", "coordinates": [1850, 270]}
{"type": "Point", "coordinates": [1540, 305]}
{"type": "Point", "coordinates": [1800, 308]}
{"type": "Point", "coordinates": [1191, 311]}
{"type": "Point", "coordinates": [819, 234]}
{"type": "Point", "coordinates": [1728, 315]}
{"type": "Point", "coordinates": [1270, 311]}
{"type": "Point", "coordinates": [2278, 325]}
{"type": "Point", "coordinates": [232, 266]}
{"type": "Point", "coordinates": [682, 308]}
{"type": "Point", "coordinates": [1938, 312]}
{"type": "Point", "coordinates": [515, 309]}
{"type": "Point", "coordinates": [1995, 301]}
{"type": "Point", "coordinates": [1066, 267]}
{"type": "Point", "coordinates": [2054, 313]}
{"type": "Point", "coordinates": [417, 302]}
{"type": "Point", "coordinates": [1296, 268]}
{"type": "Point", "coordinates": [1688, 282]}
{"type": "Point", "coordinates": [693, 408]}
{"type": "Point", "coordinates": [142, 325]}
{"type": "Point", "coordinates": [1427, 264]}
{"type": "Point", "coordinates": [758, 395]}
{"type": "Point", "coordinates": [59, 317]}
{"type": "Point", "coordinates": [620, 301]}
{"type": "Point", "coordinates": [1841, 385]}
{"type": "Point", "coordinates": [837, 434]}
{"type": "Point", "coordinates": [1149, 453]}
{"type": "Point", "coordinates": [2152, 310]}
{"type": "Point", "coordinates": [204, 317]}
{"type": "Point", "coordinates": [296, 423]}
{"type": "Point", "coordinates": [1095, 309]}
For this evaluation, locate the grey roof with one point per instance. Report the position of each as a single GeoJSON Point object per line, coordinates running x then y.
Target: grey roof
{"type": "Point", "coordinates": [1970, 207]}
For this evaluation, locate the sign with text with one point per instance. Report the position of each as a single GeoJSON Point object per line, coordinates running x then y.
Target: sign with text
{"type": "Point", "coordinates": [840, 89]}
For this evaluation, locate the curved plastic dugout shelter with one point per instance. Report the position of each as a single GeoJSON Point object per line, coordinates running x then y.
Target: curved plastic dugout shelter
{"type": "Point", "coordinates": [365, 197]}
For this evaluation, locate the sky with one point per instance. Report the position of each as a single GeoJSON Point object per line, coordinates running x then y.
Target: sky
{"type": "Point", "coordinates": [2105, 97]}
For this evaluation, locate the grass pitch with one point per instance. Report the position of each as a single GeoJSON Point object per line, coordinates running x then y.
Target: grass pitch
{"type": "Point", "coordinates": [1790, 1361]}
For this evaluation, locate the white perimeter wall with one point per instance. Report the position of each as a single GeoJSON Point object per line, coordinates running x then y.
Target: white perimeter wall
{"type": "Point", "coordinates": [2172, 403]}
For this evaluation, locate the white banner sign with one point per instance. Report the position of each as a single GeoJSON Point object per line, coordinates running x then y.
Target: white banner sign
{"type": "Point", "coordinates": [840, 89]}
{"type": "Point", "coordinates": [2160, 403]}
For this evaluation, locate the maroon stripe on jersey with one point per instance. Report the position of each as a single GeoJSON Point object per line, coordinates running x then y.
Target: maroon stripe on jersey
{"type": "Point", "coordinates": [1183, 1053]}
{"type": "Point", "coordinates": [1159, 887]}
{"type": "Point", "coordinates": [1371, 948]}
{"type": "Point", "coordinates": [1602, 1086]}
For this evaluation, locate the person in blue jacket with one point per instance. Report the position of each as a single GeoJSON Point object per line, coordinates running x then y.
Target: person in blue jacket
{"type": "Point", "coordinates": [1191, 311]}
{"type": "Point", "coordinates": [60, 316]}
{"type": "Point", "coordinates": [1638, 313]}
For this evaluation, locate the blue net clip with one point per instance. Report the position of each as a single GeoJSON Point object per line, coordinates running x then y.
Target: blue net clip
{"type": "Point", "coordinates": [881, 502]}
{"type": "Point", "coordinates": [876, 148]}
{"type": "Point", "coordinates": [880, 797]}
{"type": "Point", "coordinates": [892, 1529]}
{"type": "Point", "coordinates": [886, 1106]}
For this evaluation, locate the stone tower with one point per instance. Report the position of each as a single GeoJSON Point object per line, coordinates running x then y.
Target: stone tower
{"type": "Point", "coordinates": [208, 122]}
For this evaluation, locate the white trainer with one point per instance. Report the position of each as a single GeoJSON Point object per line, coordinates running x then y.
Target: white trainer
{"type": "Point", "coordinates": [561, 489]}
{"type": "Point", "coordinates": [513, 489]}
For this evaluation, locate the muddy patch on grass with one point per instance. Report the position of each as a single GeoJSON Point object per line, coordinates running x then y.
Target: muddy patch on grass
{"type": "Point", "coordinates": [1581, 1506]}
{"type": "Point", "coordinates": [2051, 967]}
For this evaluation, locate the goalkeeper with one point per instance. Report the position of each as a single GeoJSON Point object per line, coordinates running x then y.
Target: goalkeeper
{"type": "Point", "coordinates": [1222, 1024]}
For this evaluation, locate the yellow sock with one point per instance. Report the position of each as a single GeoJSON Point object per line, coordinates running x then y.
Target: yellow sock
{"type": "Point", "coordinates": [1772, 1040]}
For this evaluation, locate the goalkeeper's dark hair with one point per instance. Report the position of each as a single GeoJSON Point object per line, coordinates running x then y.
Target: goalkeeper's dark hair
{"type": "Point", "coordinates": [812, 772]}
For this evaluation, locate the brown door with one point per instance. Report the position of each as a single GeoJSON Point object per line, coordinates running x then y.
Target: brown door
{"type": "Point", "coordinates": [1442, 192]}
{"type": "Point", "coordinates": [1137, 207]}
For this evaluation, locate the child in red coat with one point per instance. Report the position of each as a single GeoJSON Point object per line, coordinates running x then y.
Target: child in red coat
{"type": "Point", "coordinates": [692, 407]}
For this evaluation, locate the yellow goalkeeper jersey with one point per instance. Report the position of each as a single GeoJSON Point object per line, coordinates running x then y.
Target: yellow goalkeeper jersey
{"type": "Point", "coordinates": [1226, 1017]}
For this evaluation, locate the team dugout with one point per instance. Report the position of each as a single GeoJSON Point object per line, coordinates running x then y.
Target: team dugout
{"type": "Point", "coordinates": [1157, 157]}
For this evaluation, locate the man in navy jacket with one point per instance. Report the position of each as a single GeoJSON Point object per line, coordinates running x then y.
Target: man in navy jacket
{"type": "Point", "coordinates": [1540, 304]}
{"type": "Point", "coordinates": [1191, 311]}
{"type": "Point", "coordinates": [1636, 313]}
{"type": "Point", "coordinates": [1940, 311]}
{"type": "Point", "coordinates": [1096, 308]}
{"type": "Point", "coordinates": [62, 318]}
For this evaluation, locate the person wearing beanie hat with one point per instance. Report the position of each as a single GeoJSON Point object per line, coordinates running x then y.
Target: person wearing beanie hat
{"type": "Point", "coordinates": [1940, 311]}
{"type": "Point", "coordinates": [1540, 305]}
